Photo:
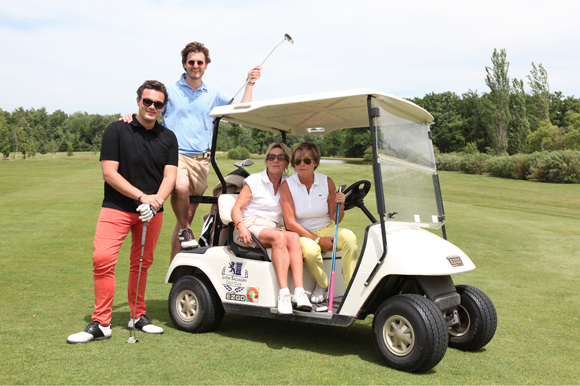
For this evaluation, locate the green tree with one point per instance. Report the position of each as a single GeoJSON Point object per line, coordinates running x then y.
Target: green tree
{"type": "Point", "coordinates": [262, 139]}
{"type": "Point", "coordinates": [572, 136]}
{"type": "Point", "coordinates": [539, 101]}
{"type": "Point", "coordinates": [4, 137]}
{"type": "Point", "coordinates": [356, 141]}
{"type": "Point", "coordinates": [520, 124]}
{"type": "Point", "coordinates": [332, 143]}
{"type": "Point", "coordinates": [449, 127]}
{"type": "Point", "coordinates": [560, 106]}
{"type": "Point", "coordinates": [548, 137]}
{"type": "Point", "coordinates": [53, 147]}
{"type": "Point", "coordinates": [498, 100]}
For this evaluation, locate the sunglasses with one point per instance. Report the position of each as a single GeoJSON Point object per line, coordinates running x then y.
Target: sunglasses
{"type": "Point", "coordinates": [281, 157]}
{"type": "Point", "coordinates": [199, 62]}
{"type": "Point", "coordinates": [148, 102]}
{"type": "Point", "coordinates": [307, 161]}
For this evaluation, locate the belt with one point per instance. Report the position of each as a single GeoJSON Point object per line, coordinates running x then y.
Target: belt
{"type": "Point", "coordinates": [202, 155]}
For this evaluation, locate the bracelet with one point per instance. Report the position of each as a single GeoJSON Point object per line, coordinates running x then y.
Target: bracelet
{"type": "Point", "coordinates": [251, 83]}
{"type": "Point", "coordinates": [139, 198]}
{"type": "Point", "coordinates": [238, 223]}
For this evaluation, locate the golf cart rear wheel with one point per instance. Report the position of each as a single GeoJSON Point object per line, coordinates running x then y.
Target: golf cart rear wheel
{"type": "Point", "coordinates": [410, 333]}
{"type": "Point", "coordinates": [478, 320]}
{"type": "Point", "coordinates": [194, 306]}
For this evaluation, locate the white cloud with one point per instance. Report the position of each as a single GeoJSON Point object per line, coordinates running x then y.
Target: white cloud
{"type": "Point", "coordinates": [92, 56]}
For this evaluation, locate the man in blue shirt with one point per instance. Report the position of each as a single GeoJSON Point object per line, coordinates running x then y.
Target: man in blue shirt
{"type": "Point", "coordinates": [187, 115]}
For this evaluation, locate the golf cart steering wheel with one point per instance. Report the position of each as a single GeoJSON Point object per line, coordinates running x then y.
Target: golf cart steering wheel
{"type": "Point", "coordinates": [355, 193]}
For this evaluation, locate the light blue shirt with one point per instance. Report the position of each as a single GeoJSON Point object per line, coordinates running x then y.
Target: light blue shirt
{"type": "Point", "coordinates": [187, 115]}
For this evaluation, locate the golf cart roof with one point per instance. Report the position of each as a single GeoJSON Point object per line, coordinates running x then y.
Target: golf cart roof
{"type": "Point", "coordinates": [318, 113]}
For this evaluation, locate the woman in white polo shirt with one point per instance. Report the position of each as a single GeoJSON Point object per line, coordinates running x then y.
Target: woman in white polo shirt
{"type": "Point", "coordinates": [309, 205]}
{"type": "Point", "coordinates": [257, 210]}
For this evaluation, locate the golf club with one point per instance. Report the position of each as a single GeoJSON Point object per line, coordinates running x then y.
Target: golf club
{"type": "Point", "coordinates": [133, 339]}
{"type": "Point", "coordinates": [286, 38]}
{"type": "Point", "coordinates": [331, 292]}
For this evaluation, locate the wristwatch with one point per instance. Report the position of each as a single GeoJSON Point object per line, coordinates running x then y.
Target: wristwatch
{"type": "Point", "coordinates": [317, 240]}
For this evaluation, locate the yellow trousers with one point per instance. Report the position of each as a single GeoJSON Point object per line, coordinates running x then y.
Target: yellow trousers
{"type": "Point", "coordinates": [313, 255]}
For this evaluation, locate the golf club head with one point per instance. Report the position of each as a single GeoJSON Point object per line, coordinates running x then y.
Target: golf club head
{"type": "Point", "coordinates": [132, 340]}
{"type": "Point", "coordinates": [287, 37]}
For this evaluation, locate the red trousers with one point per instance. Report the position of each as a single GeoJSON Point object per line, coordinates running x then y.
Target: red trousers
{"type": "Point", "coordinates": [113, 227]}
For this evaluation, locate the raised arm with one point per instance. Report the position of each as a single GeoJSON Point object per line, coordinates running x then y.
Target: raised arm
{"type": "Point", "coordinates": [253, 76]}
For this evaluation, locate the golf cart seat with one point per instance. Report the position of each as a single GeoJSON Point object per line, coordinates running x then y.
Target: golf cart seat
{"type": "Point", "coordinates": [225, 204]}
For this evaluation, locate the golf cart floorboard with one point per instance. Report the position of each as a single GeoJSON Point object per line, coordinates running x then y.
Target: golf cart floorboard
{"type": "Point", "coordinates": [297, 316]}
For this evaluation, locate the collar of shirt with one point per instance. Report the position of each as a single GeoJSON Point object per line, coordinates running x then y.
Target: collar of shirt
{"type": "Point", "coordinates": [156, 128]}
{"type": "Point", "coordinates": [316, 179]}
{"type": "Point", "coordinates": [183, 83]}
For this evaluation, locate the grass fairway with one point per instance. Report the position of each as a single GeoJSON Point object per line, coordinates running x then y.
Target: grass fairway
{"type": "Point", "coordinates": [523, 236]}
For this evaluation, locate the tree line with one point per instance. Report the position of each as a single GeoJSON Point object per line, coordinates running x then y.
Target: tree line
{"type": "Point", "coordinates": [508, 119]}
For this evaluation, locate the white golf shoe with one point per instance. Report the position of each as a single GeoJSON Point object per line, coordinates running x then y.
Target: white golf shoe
{"type": "Point", "coordinates": [300, 298]}
{"type": "Point", "coordinates": [94, 331]}
{"type": "Point", "coordinates": [318, 294]}
{"type": "Point", "coordinates": [285, 304]}
{"type": "Point", "coordinates": [145, 325]}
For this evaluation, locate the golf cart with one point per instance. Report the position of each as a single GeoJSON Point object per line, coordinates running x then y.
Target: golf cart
{"type": "Point", "coordinates": [403, 274]}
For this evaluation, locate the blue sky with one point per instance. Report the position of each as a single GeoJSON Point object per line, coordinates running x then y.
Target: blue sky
{"type": "Point", "coordinates": [92, 56]}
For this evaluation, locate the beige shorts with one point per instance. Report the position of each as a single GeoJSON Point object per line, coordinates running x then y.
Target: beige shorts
{"type": "Point", "coordinates": [196, 170]}
{"type": "Point", "coordinates": [255, 225]}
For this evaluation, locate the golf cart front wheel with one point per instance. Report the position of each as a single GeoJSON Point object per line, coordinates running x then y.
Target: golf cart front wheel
{"type": "Point", "coordinates": [194, 306]}
{"type": "Point", "coordinates": [410, 333]}
{"type": "Point", "coordinates": [477, 320]}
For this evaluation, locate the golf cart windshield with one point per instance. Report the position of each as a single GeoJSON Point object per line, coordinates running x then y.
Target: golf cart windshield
{"type": "Point", "coordinates": [407, 164]}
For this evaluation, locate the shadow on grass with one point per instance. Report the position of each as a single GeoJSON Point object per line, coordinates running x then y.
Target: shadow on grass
{"type": "Point", "coordinates": [275, 334]}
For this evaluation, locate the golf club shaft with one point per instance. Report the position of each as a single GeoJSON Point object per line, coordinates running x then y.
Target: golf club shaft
{"type": "Point", "coordinates": [143, 237]}
{"type": "Point", "coordinates": [286, 37]}
{"type": "Point", "coordinates": [331, 292]}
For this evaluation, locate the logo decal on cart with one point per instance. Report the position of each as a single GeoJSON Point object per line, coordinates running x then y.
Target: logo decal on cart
{"type": "Point", "coordinates": [229, 288]}
{"type": "Point", "coordinates": [455, 261]}
{"type": "Point", "coordinates": [235, 296]}
{"type": "Point", "coordinates": [253, 295]}
{"type": "Point", "coordinates": [234, 274]}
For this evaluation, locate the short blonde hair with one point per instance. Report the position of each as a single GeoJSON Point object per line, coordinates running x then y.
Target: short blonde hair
{"type": "Point", "coordinates": [305, 147]}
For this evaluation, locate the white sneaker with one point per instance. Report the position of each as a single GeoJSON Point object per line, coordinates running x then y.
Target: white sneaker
{"type": "Point", "coordinates": [145, 325]}
{"type": "Point", "coordinates": [285, 304]}
{"type": "Point", "coordinates": [94, 331]}
{"type": "Point", "coordinates": [318, 294]}
{"type": "Point", "coordinates": [300, 298]}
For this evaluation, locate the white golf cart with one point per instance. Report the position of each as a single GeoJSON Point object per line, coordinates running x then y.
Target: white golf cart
{"type": "Point", "coordinates": [403, 274]}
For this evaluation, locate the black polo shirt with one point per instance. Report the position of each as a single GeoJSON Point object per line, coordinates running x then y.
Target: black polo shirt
{"type": "Point", "coordinates": [142, 155]}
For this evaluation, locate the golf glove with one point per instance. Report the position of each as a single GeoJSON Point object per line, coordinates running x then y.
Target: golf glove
{"type": "Point", "coordinates": [147, 212]}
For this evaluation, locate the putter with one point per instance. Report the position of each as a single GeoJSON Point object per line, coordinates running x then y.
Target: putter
{"type": "Point", "coordinates": [331, 292]}
{"type": "Point", "coordinates": [286, 38]}
{"type": "Point", "coordinates": [133, 339]}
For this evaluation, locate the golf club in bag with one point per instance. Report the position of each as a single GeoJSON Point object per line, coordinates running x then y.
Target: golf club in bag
{"type": "Point", "coordinates": [331, 292]}
{"type": "Point", "coordinates": [133, 339]}
{"type": "Point", "coordinates": [286, 38]}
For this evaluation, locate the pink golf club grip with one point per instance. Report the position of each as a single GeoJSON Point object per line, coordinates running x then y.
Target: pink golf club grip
{"type": "Point", "coordinates": [331, 293]}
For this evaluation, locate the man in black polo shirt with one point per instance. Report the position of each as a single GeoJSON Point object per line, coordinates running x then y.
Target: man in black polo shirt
{"type": "Point", "coordinates": [139, 163]}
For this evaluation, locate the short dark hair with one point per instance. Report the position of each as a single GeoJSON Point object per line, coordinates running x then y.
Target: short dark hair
{"type": "Point", "coordinates": [153, 85]}
{"type": "Point", "coordinates": [195, 47]}
{"type": "Point", "coordinates": [306, 147]}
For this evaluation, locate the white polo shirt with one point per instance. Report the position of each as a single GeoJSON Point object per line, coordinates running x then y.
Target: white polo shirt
{"type": "Point", "coordinates": [264, 202]}
{"type": "Point", "coordinates": [311, 208]}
